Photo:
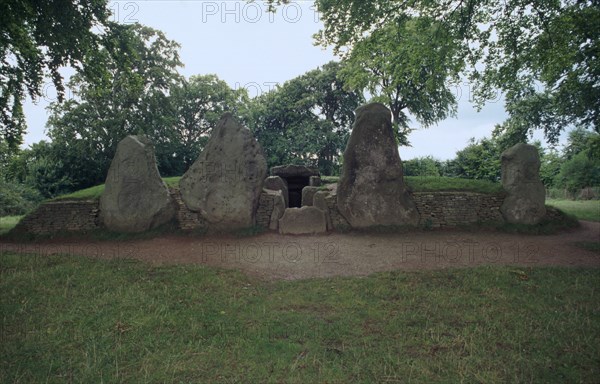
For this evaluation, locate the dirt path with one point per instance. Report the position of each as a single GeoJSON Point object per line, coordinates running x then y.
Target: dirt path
{"type": "Point", "coordinates": [272, 256]}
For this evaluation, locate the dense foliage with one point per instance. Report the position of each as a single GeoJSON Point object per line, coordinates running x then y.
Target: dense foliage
{"type": "Point", "coordinates": [575, 167]}
{"type": "Point", "coordinates": [38, 38]}
{"type": "Point", "coordinates": [542, 54]}
{"type": "Point", "coordinates": [307, 120]}
{"type": "Point", "coordinates": [400, 67]}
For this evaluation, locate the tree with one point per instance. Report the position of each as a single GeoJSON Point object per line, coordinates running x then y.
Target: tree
{"type": "Point", "coordinates": [422, 166]}
{"type": "Point", "coordinates": [37, 38]}
{"type": "Point", "coordinates": [128, 94]}
{"type": "Point", "coordinates": [579, 172]}
{"type": "Point", "coordinates": [400, 67]}
{"type": "Point", "coordinates": [550, 168]}
{"type": "Point", "coordinates": [306, 120]}
{"type": "Point", "coordinates": [479, 160]}
{"type": "Point", "coordinates": [542, 54]}
{"type": "Point", "coordinates": [44, 170]}
{"type": "Point", "coordinates": [579, 140]}
{"type": "Point", "coordinates": [197, 105]}
{"type": "Point", "coordinates": [580, 163]}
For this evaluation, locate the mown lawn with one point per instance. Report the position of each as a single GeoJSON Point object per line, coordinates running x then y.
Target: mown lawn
{"type": "Point", "coordinates": [73, 319]}
{"type": "Point", "coordinates": [8, 222]}
{"type": "Point", "coordinates": [582, 209]}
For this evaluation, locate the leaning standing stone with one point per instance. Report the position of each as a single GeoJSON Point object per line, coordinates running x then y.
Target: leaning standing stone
{"type": "Point", "coordinates": [225, 182]}
{"type": "Point", "coordinates": [526, 195]}
{"type": "Point", "coordinates": [135, 199]}
{"type": "Point", "coordinates": [371, 189]}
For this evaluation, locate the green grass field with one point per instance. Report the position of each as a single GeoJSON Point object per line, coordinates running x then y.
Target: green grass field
{"type": "Point", "coordinates": [8, 222]}
{"type": "Point", "coordinates": [583, 210]}
{"type": "Point", "coordinates": [74, 319]}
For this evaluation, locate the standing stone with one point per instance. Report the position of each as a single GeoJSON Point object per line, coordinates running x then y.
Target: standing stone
{"type": "Point", "coordinates": [278, 210]}
{"type": "Point", "coordinates": [302, 221]}
{"type": "Point", "coordinates": [371, 189]}
{"type": "Point", "coordinates": [225, 182]}
{"type": "Point", "coordinates": [135, 199]}
{"type": "Point", "coordinates": [526, 196]}
{"type": "Point", "coordinates": [320, 201]}
{"type": "Point", "coordinates": [308, 194]}
{"type": "Point", "coordinates": [276, 183]}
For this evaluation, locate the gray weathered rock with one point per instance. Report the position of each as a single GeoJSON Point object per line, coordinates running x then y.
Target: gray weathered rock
{"type": "Point", "coordinates": [371, 189]}
{"type": "Point", "coordinates": [292, 170]}
{"type": "Point", "coordinates": [278, 210]}
{"type": "Point", "coordinates": [301, 221]}
{"type": "Point", "coordinates": [319, 201]}
{"type": "Point", "coordinates": [296, 177]}
{"type": "Point", "coordinates": [526, 196]}
{"type": "Point", "coordinates": [276, 183]}
{"type": "Point", "coordinates": [225, 182]}
{"type": "Point", "coordinates": [308, 193]}
{"type": "Point", "coordinates": [135, 199]}
{"type": "Point", "coordinates": [315, 181]}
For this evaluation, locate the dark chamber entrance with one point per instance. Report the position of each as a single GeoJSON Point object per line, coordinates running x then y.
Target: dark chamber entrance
{"type": "Point", "coordinates": [296, 177]}
{"type": "Point", "coordinates": [295, 185]}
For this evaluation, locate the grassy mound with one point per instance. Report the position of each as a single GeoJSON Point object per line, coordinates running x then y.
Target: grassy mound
{"type": "Point", "coordinates": [414, 183]}
{"type": "Point", "coordinates": [94, 193]}
{"type": "Point", "coordinates": [451, 184]}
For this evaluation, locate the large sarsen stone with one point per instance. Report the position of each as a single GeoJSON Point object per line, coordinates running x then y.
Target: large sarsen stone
{"type": "Point", "coordinates": [526, 195]}
{"type": "Point", "coordinates": [225, 182]}
{"type": "Point", "coordinates": [135, 199]}
{"type": "Point", "coordinates": [371, 189]}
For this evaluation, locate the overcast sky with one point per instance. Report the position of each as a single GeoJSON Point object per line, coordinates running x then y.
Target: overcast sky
{"type": "Point", "coordinates": [247, 47]}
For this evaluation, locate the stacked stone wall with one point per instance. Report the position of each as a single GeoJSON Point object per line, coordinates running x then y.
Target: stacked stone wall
{"type": "Point", "coordinates": [452, 209]}
{"type": "Point", "coordinates": [436, 209]}
{"type": "Point", "coordinates": [61, 216]}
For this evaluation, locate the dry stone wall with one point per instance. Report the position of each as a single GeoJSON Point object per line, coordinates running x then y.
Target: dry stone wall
{"type": "Point", "coordinates": [265, 209]}
{"type": "Point", "coordinates": [436, 209]}
{"type": "Point", "coordinates": [61, 216]}
{"type": "Point", "coordinates": [452, 209]}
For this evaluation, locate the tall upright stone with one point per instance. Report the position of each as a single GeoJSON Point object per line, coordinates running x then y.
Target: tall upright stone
{"type": "Point", "coordinates": [135, 199]}
{"type": "Point", "coordinates": [526, 195]}
{"type": "Point", "coordinates": [225, 182]}
{"type": "Point", "coordinates": [371, 189]}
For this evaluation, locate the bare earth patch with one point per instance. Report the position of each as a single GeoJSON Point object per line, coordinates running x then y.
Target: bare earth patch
{"type": "Point", "coordinates": [272, 256]}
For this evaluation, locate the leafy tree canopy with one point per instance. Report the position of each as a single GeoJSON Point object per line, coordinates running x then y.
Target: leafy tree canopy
{"type": "Point", "coordinates": [306, 120]}
{"type": "Point", "coordinates": [37, 38]}
{"type": "Point", "coordinates": [197, 105]}
{"type": "Point", "coordinates": [127, 94]}
{"type": "Point", "coordinates": [544, 54]}
{"type": "Point", "coordinates": [399, 66]}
